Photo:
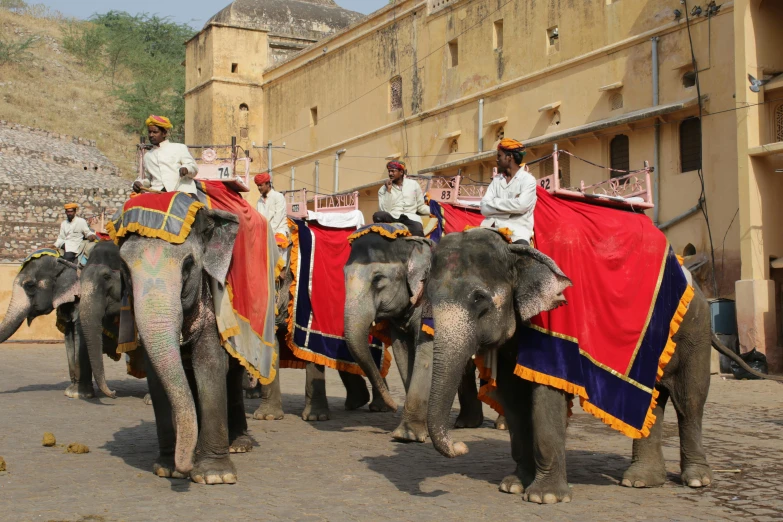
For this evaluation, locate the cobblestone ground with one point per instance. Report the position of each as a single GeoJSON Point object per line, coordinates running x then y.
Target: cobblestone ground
{"type": "Point", "coordinates": [348, 468]}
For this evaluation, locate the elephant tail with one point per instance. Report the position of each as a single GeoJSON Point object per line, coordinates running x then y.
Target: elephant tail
{"type": "Point", "coordinates": [723, 349]}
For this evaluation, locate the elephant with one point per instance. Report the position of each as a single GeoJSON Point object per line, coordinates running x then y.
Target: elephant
{"type": "Point", "coordinates": [384, 281]}
{"type": "Point", "coordinates": [187, 367]}
{"type": "Point", "coordinates": [316, 403]}
{"type": "Point", "coordinates": [44, 284]}
{"type": "Point", "coordinates": [481, 290]}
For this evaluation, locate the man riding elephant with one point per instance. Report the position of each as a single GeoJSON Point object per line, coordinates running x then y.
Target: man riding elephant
{"type": "Point", "coordinates": [73, 233]}
{"type": "Point", "coordinates": [400, 200]}
{"type": "Point", "coordinates": [167, 166]}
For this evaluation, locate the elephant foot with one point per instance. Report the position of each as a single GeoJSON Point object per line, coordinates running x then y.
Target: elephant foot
{"type": "Point", "coordinates": [377, 405]}
{"type": "Point", "coordinates": [268, 412]}
{"type": "Point", "coordinates": [316, 412]}
{"type": "Point", "coordinates": [547, 490]}
{"type": "Point", "coordinates": [357, 396]}
{"type": "Point", "coordinates": [696, 475]}
{"type": "Point", "coordinates": [512, 484]}
{"type": "Point", "coordinates": [410, 431]}
{"type": "Point", "coordinates": [148, 399]}
{"type": "Point", "coordinates": [214, 471]}
{"type": "Point", "coordinates": [644, 476]}
{"type": "Point", "coordinates": [500, 423]}
{"type": "Point", "coordinates": [253, 393]}
{"type": "Point", "coordinates": [164, 468]}
{"type": "Point", "coordinates": [470, 418]}
{"type": "Point", "coordinates": [241, 444]}
{"type": "Point", "coordinates": [80, 391]}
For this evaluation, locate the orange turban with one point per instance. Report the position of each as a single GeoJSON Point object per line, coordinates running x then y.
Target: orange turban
{"type": "Point", "coordinates": [396, 165]}
{"type": "Point", "coordinates": [262, 178]}
{"type": "Point", "coordinates": [69, 206]}
{"type": "Point", "coordinates": [511, 145]}
{"type": "Point", "coordinates": [159, 121]}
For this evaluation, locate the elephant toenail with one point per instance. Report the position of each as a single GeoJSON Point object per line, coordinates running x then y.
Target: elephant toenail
{"type": "Point", "coordinates": [198, 479]}
{"type": "Point", "coordinates": [230, 479]}
{"type": "Point", "coordinates": [639, 484]}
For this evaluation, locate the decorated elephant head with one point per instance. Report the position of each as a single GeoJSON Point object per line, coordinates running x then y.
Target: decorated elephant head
{"type": "Point", "coordinates": [479, 287]}
{"type": "Point", "coordinates": [169, 282]}
{"type": "Point", "coordinates": [384, 280]}
{"type": "Point", "coordinates": [43, 284]}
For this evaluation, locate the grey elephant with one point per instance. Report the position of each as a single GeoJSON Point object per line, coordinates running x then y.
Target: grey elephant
{"type": "Point", "coordinates": [481, 290]}
{"type": "Point", "coordinates": [316, 406]}
{"type": "Point", "coordinates": [384, 281]}
{"type": "Point", "coordinates": [44, 284]}
{"type": "Point", "coordinates": [196, 387]}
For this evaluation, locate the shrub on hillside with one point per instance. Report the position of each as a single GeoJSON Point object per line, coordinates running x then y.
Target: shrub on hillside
{"type": "Point", "coordinates": [16, 50]}
{"type": "Point", "coordinates": [142, 58]}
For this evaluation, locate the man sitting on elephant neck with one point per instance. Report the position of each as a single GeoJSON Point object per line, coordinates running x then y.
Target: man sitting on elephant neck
{"type": "Point", "coordinates": [401, 200]}
{"type": "Point", "coordinates": [73, 231]}
{"type": "Point", "coordinates": [168, 166]}
{"type": "Point", "coordinates": [272, 206]}
{"type": "Point", "coordinates": [511, 197]}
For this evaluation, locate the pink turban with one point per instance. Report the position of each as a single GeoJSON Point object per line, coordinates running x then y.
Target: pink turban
{"type": "Point", "coordinates": [262, 178]}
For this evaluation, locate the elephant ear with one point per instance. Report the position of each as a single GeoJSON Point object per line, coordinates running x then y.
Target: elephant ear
{"type": "Point", "coordinates": [418, 267]}
{"type": "Point", "coordinates": [219, 236]}
{"type": "Point", "coordinates": [539, 282]}
{"type": "Point", "coordinates": [66, 286]}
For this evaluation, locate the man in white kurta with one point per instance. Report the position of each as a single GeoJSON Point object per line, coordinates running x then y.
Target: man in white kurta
{"type": "Point", "coordinates": [73, 231]}
{"type": "Point", "coordinates": [401, 200]}
{"type": "Point", "coordinates": [272, 206]}
{"type": "Point", "coordinates": [510, 199]}
{"type": "Point", "coordinates": [168, 166]}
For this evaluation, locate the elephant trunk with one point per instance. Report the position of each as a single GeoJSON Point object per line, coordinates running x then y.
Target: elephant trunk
{"type": "Point", "coordinates": [18, 309]}
{"type": "Point", "coordinates": [159, 320]}
{"type": "Point", "coordinates": [453, 347]}
{"type": "Point", "coordinates": [91, 312]}
{"type": "Point", "coordinates": [358, 321]}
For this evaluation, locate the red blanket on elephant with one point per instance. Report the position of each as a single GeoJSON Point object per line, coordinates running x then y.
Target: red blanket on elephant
{"type": "Point", "coordinates": [609, 345]}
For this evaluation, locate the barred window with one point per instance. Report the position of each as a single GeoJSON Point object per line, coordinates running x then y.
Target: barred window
{"type": "Point", "coordinates": [395, 93]}
{"type": "Point", "coordinates": [619, 155]}
{"type": "Point", "coordinates": [690, 145]}
{"type": "Point", "coordinates": [616, 101]}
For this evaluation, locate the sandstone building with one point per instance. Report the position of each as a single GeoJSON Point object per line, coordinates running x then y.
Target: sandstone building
{"type": "Point", "coordinates": [439, 82]}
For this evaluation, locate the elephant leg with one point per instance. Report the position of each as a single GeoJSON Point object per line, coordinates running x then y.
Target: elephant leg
{"type": "Point", "coordinates": [164, 425]}
{"type": "Point", "coordinates": [356, 392]}
{"type": "Point", "coordinates": [378, 405]}
{"type": "Point", "coordinates": [413, 427]}
{"type": "Point", "coordinates": [271, 407]}
{"type": "Point", "coordinates": [78, 365]}
{"type": "Point", "coordinates": [316, 404]}
{"type": "Point", "coordinates": [513, 394]}
{"type": "Point", "coordinates": [254, 392]}
{"type": "Point", "coordinates": [210, 367]}
{"type": "Point", "coordinates": [695, 472]}
{"type": "Point", "coordinates": [648, 469]}
{"type": "Point", "coordinates": [471, 411]}
{"type": "Point", "coordinates": [240, 440]}
{"type": "Point", "coordinates": [549, 420]}
{"type": "Point", "coordinates": [404, 355]}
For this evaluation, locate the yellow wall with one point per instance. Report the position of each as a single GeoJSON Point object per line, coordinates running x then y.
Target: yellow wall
{"type": "Point", "coordinates": [42, 328]}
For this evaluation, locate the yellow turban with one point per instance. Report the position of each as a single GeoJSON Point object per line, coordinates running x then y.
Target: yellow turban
{"type": "Point", "coordinates": [69, 206]}
{"type": "Point", "coordinates": [159, 121]}
{"type": "Point", "coordinates": [511, 145]}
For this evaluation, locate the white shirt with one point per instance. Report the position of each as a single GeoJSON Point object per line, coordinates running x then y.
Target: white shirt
{"type": "Point", "coordinates": [408, 200]}
{"type": "Point", "coordinates": [72, 233]}
{"type": "Point", "coordinates": [511, 204]}
{"type": "Point", "coordinates": [273, 209]}
{"type": "Point", "coordinates": [162, 164]}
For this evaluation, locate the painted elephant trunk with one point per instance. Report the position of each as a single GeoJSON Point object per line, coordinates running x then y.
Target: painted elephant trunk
{"type": "Point", "coordinates": [452, 349]}
{"type": "Point", "coordinates": [18, 309]}
{"type": "Point", "coordinates": [90, 325]}
{"type": "Point", "coordinates": [358, 321]}
{"type": "Point", "coordinates": [159, 321]}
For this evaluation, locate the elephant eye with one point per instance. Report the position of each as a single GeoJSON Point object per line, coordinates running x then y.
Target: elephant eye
{"type": "Point", "coordinates": [378, 279]}
{"type": "Point", "coordinates": [29, 285]}
{"type": "Point", "coordinates": [107, 277]}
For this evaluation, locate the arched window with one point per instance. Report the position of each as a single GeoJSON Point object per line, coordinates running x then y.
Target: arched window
{"type": "Point", "coordinates": [244, 121]}
{"type": "Point", "coordinates": [690, 145]}
{"type": "Point", "coordinates": [619, 157]}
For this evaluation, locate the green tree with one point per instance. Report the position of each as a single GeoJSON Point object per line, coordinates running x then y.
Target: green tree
{"type": "Point", "coordinates": [142, 57]}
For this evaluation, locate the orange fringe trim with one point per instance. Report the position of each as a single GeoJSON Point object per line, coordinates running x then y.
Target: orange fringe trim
{"type": "Point", "coordinates": [379, 230]}
{"type": "Point", "coordinates": [584, 400]}
{"type": "Point", "coordinates": [428, 330]}
{"type": "Point", "coordinates": [309, 356]}
{"type": "Point", "coordinates": [141, 230]}
{"type": "Point", "coordinates": [485, 391]}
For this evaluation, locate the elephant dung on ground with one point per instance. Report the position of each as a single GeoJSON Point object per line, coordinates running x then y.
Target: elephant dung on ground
{"type": "Point", "coordinates": [481, 290]}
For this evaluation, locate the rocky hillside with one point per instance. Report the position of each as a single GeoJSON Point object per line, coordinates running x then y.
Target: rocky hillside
{"type": "Point", "coordinates": [44, 87]}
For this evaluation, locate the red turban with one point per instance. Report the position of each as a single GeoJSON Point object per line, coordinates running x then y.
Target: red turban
{"type": "Point", "coordinates": [262, 178]}
{"type": "Point", "coordinates": [395, 165]}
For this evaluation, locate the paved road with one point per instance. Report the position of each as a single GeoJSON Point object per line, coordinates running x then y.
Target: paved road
{"type": "Point", "coordinates": [348, 468]}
